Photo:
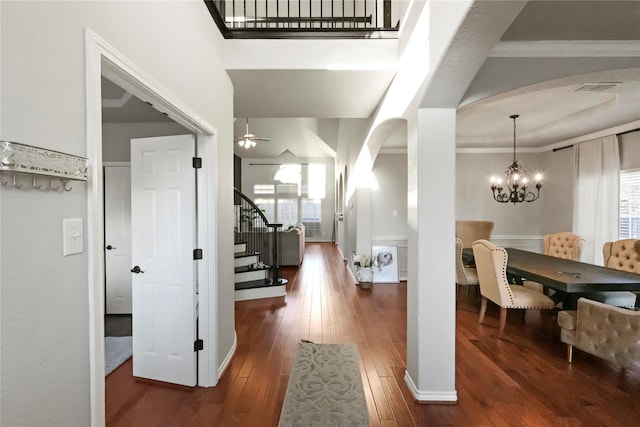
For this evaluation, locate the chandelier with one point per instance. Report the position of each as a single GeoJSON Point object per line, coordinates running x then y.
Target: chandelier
{"type": "Point", "coordinates": [516, 181]}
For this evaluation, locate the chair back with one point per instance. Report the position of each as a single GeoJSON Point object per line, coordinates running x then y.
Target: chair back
{"type": "Point", "coordinates": [491, 264]}
{"type": "Point", "coordinates": [563, 245]}
{"type": "Point", "coordinates": [470, 231]}
{"type": "Point", "coordinates": [622, 255]}
{"type": "Point", "coordinates": [461, 275]}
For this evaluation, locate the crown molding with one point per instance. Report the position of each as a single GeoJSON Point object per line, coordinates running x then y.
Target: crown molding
{"type": "Point", "coordinates": [566, 49]}
{"type": "Point", "coordinates": [550, 147]}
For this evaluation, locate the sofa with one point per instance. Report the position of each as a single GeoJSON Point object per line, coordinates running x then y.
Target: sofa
{"type": "Point", "coordinates": [611, 333]}
{"type": "Point", "coordinates": [292, 250]}
{"type": "Point", "coordinates": [290, 244]}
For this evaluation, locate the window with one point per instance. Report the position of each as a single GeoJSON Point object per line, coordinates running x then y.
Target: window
{"type": "Point", "coordinates": [263, 189]}
{"type": "Point", "coordinates": [312, 217]}
{"type": "Point", "coordinates": [629, 226]}
{"type": "Point", "coordinates": [268, 208]}
{"type": "Point", "coordinates": [287, 212]}
{"type": "Point", "coordinates": [294, 193]}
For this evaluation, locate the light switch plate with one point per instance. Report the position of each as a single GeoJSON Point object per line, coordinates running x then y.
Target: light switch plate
{"type": "Point", "coordinates": [72, 236]}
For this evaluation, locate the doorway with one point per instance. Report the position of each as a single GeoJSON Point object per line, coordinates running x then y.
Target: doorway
{"type": "Point", "coordinates": [104, 60]}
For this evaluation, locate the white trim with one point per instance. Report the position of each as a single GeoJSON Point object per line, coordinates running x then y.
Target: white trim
{"type": "Point", "coordinates": [123, 72]}
{"type": "Point", "coordinates": [567, 49]}
{"type": "Point", "coordinates": [516, 237]}
{"type": "Point", "coordinates": [103, 59]}
{"type": "Point", "coordinates": [116, 164]}
{"type": "Point", "coordinates": [429, 396]}
{"type": "Point", "coordinates": [378, 238]}
{"type": "Point", "coordinates": [227, 360]}
{"type": "Point", "coordinates": [393, 150]}
{"type": "Point", "coordinates": [259, 293]}
{"type": "Point", "coordinates": [207, 267]}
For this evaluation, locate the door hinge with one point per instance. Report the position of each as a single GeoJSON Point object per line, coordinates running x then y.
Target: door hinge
{"type": "Point", "coordinates": [198, 345]}
{"type": "Point", "coordinates": [197, 162]}
{"type": "Point", "coordinates": [197, 254]}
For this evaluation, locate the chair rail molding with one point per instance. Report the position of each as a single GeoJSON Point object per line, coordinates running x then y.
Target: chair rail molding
{"type": "Point", "coordinates": [533, 243]}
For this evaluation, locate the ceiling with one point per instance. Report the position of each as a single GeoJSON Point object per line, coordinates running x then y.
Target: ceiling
{"type": "Point", "coordinates": [589, 41]}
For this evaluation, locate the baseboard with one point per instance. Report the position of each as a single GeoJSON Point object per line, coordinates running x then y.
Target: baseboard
{"type": "Point", "coordinates": [227, 360]}
{"type": "Point", "coordinates": [258, 293]}
{"type": "Point", "coordinates": [430, 397]}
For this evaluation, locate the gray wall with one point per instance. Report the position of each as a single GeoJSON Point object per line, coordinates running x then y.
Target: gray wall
{"type": "Point", "coordinates": [474, 200]}
{"type": "Point", "coordinates": [116, 137]}
{"type": "Point", "coordinates": [553, 212]}
{"type": "Point", "coordinates": [630, 151]}
{"type": "Point", "coordinates": [44, 296]}
{"type": "Point", "coordinates": [389, 206]}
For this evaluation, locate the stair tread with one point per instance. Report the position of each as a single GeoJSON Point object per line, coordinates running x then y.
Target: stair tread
{"type": "Point", "coordinates": [245, 254]}
{"type": "Point", "coordinates": [247, 268]}
{"type": "Point", "coordinates": [260, 283]}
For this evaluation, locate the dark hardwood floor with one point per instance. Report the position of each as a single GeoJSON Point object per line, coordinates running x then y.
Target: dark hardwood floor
{"type": "Point", "coordinates": [521, 380]}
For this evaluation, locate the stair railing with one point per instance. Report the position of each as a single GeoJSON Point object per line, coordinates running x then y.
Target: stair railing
{"type": "Point", "coordinates": [261, 237]}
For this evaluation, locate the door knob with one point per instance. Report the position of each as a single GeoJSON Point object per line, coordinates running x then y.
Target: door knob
{"type": "Point", "coordinates": [109, 247]}
{"type": "Point", "coordinates": [136, 270]}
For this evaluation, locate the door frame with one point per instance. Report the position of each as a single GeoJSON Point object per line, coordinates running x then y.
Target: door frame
{"type": "Point", "coordinates": [104, 60]}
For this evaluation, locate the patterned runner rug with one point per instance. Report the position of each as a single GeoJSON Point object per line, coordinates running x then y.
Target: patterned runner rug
{"type": "Point", "coordinates": [325, 388]}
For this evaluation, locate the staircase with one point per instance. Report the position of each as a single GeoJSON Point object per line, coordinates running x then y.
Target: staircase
{"type": "Point", "coordinates": [257, 258]}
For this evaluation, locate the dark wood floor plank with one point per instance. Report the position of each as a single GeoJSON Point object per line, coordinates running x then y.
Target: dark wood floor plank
{"type": "Point", "coordinates": [523, 379]}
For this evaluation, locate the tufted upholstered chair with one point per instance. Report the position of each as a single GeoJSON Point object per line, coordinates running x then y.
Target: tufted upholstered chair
{"type": "Point", "coordinates": [563, 245]}
{"type": "Point", "coordinates": [608, 332]}
{"type": "Point", "coordinates": [465, 276]}
{"type": "Point", "coordinates": [620, 255]}
{"type": "Point", "coordinates": [491, 264]}
{"type": "Point", "coordinates": [470, 231]}
{"type": "Point", "coordinates": [560, 245]}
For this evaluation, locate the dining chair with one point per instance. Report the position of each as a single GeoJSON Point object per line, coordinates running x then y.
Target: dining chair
{"type": "Point", "coordinates": [466, 276]}
{"type": "Point", "coordinates": [470, 231]}
{"type": "Point", "coordinates": [564, 245]}
{"type": "Point", "coordinates": [620, 255]}
{"type": "Point", "coordinates": [491, 264]}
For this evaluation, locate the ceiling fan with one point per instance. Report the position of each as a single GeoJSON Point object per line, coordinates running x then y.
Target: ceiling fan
{"type": "Point", "coordinates": [249, 140]}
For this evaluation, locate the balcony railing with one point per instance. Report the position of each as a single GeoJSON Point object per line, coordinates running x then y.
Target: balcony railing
{"type": "Point", "coordinates": [303, 18]}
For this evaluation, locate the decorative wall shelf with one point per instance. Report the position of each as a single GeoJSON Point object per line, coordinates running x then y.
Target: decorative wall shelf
{"type": "Point", "coordinates": [17, 159]}
{"type": "Point", "coordinates": [23, 158]}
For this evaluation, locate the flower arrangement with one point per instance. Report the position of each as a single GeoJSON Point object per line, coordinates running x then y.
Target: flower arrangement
{"type": "Point", "coordinates": [363, 260]}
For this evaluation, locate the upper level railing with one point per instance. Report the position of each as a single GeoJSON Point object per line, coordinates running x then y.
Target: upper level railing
{"type": "Point", "coordinates": [303, 18]}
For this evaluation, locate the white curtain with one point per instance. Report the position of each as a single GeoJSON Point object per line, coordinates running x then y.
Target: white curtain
{"type": "Point", "coordinates": [596, 195]}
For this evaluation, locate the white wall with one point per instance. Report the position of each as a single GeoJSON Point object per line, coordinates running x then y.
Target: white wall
{"type": "Point", "coordinates": [116, 137]}
{"type": "Point", "coordinates": [389, 206]}
{"type": "Point", "coordinates": [44, 304]}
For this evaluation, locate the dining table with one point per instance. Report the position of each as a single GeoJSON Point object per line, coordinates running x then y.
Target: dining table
{"type": "Point", "coordinates": [570, 279]}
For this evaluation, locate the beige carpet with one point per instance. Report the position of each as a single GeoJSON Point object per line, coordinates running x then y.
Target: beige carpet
{"type": "Point", "coordinates": [325, 388]}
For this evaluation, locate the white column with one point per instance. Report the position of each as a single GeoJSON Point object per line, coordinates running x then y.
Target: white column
{"type": "Point", "coordinates": [431, 301]}
{"type": "Point", "coordinates": [363, 224]}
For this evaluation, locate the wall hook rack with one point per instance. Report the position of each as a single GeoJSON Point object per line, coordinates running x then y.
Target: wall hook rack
{"type": "Point", "coordinates": [21, 158]}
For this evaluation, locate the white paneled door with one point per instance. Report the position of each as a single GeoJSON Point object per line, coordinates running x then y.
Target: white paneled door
{"type": "Point", "coordinates": [163, 214]}
{"type": "Point", "coordinates": [117, 238]}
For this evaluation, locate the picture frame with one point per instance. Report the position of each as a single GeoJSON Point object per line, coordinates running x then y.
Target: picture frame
{"type": "Point", "coordinates": [385, 269]}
